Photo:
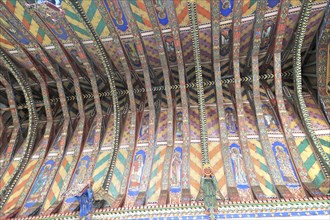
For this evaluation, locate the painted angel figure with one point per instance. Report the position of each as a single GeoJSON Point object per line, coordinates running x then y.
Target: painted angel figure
{"type": "Point", "coordinates": [209, 191]}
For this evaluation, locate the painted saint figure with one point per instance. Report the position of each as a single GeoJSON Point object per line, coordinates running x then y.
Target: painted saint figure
{"type": "Point", "coordinates": [133, 54]}
{"type": "Point", "coordinates": [144, 127]}
{"type": "Point", "coordinates": [179, 132]}
{"type": "Point", "coordinates": [80, 172]}
{"type": "Point", "coordinates": [115, 12]}
{"type": "Point", "coordinates": [270, 122]}
{"type": "Point", "coordinates": [285, 165]}
{"type": "Point", "coordinates": [231, 120]}
{"type": "Point", "coordinates": [170, 48]}
{"type": "Point", "coordinates": [176, 169]}
{"type": "Point", "coordinates": [160, 9]}
{"type": "Point", "coordinates": [225, 41]}
{"type": "Point", "coordinates": [237, 161]}
{"type": "Point", "coordinates": [41, 181]}
{"type": "Point", "coordinates": [137, 172]}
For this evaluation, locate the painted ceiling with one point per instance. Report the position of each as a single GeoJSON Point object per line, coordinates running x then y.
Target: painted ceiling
{"type": "Point", "coordinates": [85, 65]}
{"type": "Point", "coordinates": [26, 27]}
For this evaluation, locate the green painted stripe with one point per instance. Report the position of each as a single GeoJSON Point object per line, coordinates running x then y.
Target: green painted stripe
{"type": "Point", "coordinates": [133, 2]}
{"type": "Point", "coordinates": [310, 162]}
{"type": "Point", "coordinates": [113, 191]}
{"type": "Point", "coordinates": [117, 173]}
{"type": "Point", "coordinates": [100, 175]}
{"type": "Point", "coordinates": [324, 142]}
{"type": "Point", "coordinates": [91, 11]}
{"type": "Point", "coordinates": [102, 161]}
{"type": "Point", "coordinates": [13, 2]}
{"type": "Point", "coordinates": [80, 30]}
{"type": "Point", "coordinates": [259, 151]}
{"type": "Point", "coordinates": [42, 33]}
{"type": "Point", "coordinates": [53, 200]}
{"type": "Point", "coordinates": [138, 18]}
{"type": "Point", "coordinates": [264, 167]}
{"type": "Point", "coordinates": [302, 146]}
{"type": "Point", "coordinates": [151, 191]}
{"type": "Point", "coordinates": [319, 179]}
{"type": "Point", "coordinates": [270, 186]}
{"type": "Point", "coordinates": [100, 27]}
{"type": "Point", "coordinates": [121, 158]}
{"type": "Point", "coordinates": [154, 173]}
{"type": "Point", "coordinates": [60, 183]}
{"type": "Point", "coordinates": [27, 17]}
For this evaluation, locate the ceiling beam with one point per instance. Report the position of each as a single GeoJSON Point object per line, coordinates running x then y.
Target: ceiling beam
{"type": "Point", "coordinates": [31, 136]}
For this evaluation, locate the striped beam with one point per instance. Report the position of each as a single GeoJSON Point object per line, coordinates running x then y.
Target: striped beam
{"type": "Point", "coordinates": [230, 178]}
{"type": "Point", "coordinates": [9, 150]}
{"type": "Point", "coordinates": [17, 8]}
{"type": "Point", "coordinates": [169, 94]}
{"type": "Point", "coordinates": [39, 52]}
{"type": "Point", "coordinates": [152, 114]}
{"type": "Point", "coordinates": [237, 16]}
{"type": "Point", "coordinates": [174, 24]}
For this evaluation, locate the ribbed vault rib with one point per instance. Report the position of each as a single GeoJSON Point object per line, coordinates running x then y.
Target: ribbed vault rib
{"type": "Point", "coordinates": [153, 117]}
{"type": "Point", "coordinates": [32, 66]}
{"type": "Point", "coordinates": [274, 171]}
{"type": "Point", "coordinates": [170, 8]}
{"type": "Point", "coordinates": [237, 16]}
{"type": "Point", "coordinates": [130, 90]}
{"type": "Point", "coordinates": [302, 109]}
{"type": "Point", "coordinates": [199, 81]}
{"type": "Point", "coordinates": [31, 136]}
{"type": "Point", "coordinates": [322, 64]}
{"type": "Point", "coordinates": [7, 155]}
{"type": "Point", "coordinates": [169, 97]}
{"type": "Point", "coordinates": [225, 150]}
{"type": "Point", "coordinates": [283, 114]}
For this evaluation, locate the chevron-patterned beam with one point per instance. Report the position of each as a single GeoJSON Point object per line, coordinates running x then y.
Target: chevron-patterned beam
{"type": "Point", "coordinates": [152, 113]}
{"type": "Point", "coordinates": [322, 64]}
{"type": "Point", "coordinates": [169, 94]}
{"type": "Point", "coordinates": [9, 150]}
{"type": "Point", "coordinates": [170, 8]}
{"type": "Point", "coordinates": [192, 11]}
{"type": "Point", "coordinates": [31, 136]}
{"type": "Point", "coordinates": [302, 109]}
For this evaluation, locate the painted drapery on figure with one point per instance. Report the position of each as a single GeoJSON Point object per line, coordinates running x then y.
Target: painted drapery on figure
{"type": "Point", "coordinates": [238, 167]}
{"type": "Point", "coordinates": [284, 163]}
{"type": "Point", "coordinates": [176, 168]}
{"type": "Point", "coordinates": [86, 202]}
{"type": "Point", "coordinates": [137, 169]}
